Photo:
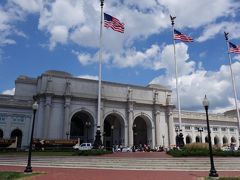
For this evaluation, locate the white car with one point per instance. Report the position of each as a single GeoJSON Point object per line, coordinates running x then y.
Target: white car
{"type": "Point", "coordinates": [124, 149]}
{"type": "Point", "coordinates": [83, 146]}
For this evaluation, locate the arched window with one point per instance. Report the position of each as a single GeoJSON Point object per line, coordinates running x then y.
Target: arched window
{"type": "Point", "coordinates": [1, 133]}
{"type": "Point", "coordinates": [206, 139]}
{"type": "Point", "coordinates": [17, 133]}
{"type": "Point", "coordinates": [197, 139]}
{"type": "Point", "coordinates": [188, 139]}
{"type": "Point", "coordinates": [216, 140]}
{"type": "Point", "coordinates": [225, 140]}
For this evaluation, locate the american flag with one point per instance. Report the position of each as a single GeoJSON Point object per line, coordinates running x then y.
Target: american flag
{"type": "Point", "coordinates": [182, 37]}
{"type": "Point", "coordinates": [114, 23]}
{"type": "Point", "coordinates": [234, 48]}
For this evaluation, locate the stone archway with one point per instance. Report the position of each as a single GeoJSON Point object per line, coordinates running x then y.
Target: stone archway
{"type": "Point", "coordinates": [206, 139]}
{"type": "Point", "coordinates": [216, 140]}
{"type": "Point", "coordinates": [233, 140]}
{"type": "Point", "coordinates": [142, 134]}
{"type": "Point", "coordinates": [113, 130]}
{"type": "Point", "coordinates": [188, 139]}
{"type": "Point", "coordinates": [225, 141]}
{"type": "Point", "coordinates": [1, 133]}
{"type": "Point", "coordinates": [17, 133]}
{"type": "Point", "coordinates": [197, 140]}
{"type": "Point", "coordinates": [82, 125]}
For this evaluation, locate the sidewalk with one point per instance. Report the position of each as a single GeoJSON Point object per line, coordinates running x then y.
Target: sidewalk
{"type": "Point", "coordinates": [105, 174]}
{"type": "Point", "coordinates": [97, 174]}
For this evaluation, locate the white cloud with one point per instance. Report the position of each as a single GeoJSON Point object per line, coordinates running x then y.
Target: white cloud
{"type": "Point", "coordinates": [59, 35]}
{"type": "Point", "coordinates": [192, 88]}
{"type": "Point", "coordinates": [88, 77]}
{"type": "Point", "coordinates": [9, 91]}
{"type": "Point", "coordinates": [194, 13]}
{"type": "Point", "coordinates": [30, 6]}
{"type": "Point", "coordinates": [212, 30]}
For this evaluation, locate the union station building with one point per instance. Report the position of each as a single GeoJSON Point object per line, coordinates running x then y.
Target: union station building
{"type": "Point", "coordinates": [130, 115]}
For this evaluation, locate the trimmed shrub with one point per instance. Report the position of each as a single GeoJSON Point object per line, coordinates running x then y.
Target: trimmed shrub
{"type": "Point", "coordinates": [200, 149]}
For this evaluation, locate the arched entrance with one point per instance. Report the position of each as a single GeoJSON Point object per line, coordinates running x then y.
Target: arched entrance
{"type": "Point", "coordinates": [82, 125]}
{"type": "Point", "coordinates": [216, 140]}
{"type": "Point", "coordinates": [113, 131]}
{"type": "Point", "coordinates": [188, 139]}
{"type": "Point", "coordinates": [142, 134]}
{"type": "Point", "coordinates": [17, 133]}
{"type": "Point", "coordinates": [206, 139]}
{"type": "Point", "coordinates": [197, 139]}
{"type": "Point", "coordinates": [225, 141]}
{"type": "Point", "coordinates": [1, 133]}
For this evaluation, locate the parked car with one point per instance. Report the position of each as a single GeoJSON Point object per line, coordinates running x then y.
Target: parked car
{"type": "Point", "coordinates": [83, 146]}
{"type": "Point", "coordinates": [124, 149]}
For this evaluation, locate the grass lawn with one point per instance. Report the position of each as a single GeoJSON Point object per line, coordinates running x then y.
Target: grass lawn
{"type": "Point", "coordinates": [10, 175]}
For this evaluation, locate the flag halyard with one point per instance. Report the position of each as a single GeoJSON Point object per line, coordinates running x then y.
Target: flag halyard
{"type": "Point", "coordinates": [114, 23]}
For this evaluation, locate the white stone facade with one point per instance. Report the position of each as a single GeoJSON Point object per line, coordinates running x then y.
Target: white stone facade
{"type": "Point", "coordinates": [130, 115]}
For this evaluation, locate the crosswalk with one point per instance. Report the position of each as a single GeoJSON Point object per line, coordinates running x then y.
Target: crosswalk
{"type": "Point", "coordinates": [169, 164]}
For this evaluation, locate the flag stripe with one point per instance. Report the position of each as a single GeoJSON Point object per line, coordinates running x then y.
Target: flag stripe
{"type": "Point", "coordinates": [182, 37]}
{"type": "Point", "coordinates": [114, 23]}
{"type": "Point", "coordinates": [234, 48]}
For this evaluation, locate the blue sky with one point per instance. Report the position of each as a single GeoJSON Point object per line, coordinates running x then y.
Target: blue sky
{"type": "Point", "coordinates": [40, 35]}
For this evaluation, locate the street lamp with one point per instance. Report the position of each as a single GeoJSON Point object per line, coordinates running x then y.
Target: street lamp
{"type": "Point", "coordinates": [200, 129]}
{"type": "Point", "coordinates": [177, 136]}
{"type": "Point", "coordinates": [88, 125]}
{"type": "Point", "coordinates": [67, 134]}
{"type": "Point", "coordinates": [163, 140]}
{"type": "Point", "coordinates": [112, 128]}
{"type": "Point", "coordinates": [29, 167]}
{"type": "Point", "coordinates": [213, 172]}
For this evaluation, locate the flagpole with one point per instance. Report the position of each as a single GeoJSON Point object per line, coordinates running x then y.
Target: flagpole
{"type": "Point", "coordinates": [233, 80]}
{"type": "Point", "coordinates": [98, 141]}
{"type": "Point", "coordinates": [176, 74]}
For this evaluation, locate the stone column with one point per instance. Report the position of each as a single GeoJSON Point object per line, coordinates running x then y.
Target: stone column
{"type": "Point", "coordinates": [171, 135]}
{"type": "Point", "coordinates": [130, 116]}
{"type": "Point", "coordinates": [125, 135]}
{"type": "Point", "coordinates": [153, 144]}
{"type": "Point", "coordinates": [157, 129]}
{"type": "Point", "coordinates": [130, 130]}
{"type": "Point", "coordinates": [66, 125]}
{"type": "Point", "coordinates": [48, 103]}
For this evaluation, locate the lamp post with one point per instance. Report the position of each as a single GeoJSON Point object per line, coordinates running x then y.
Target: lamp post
{"type": "Point", "coordinates": [177, 137]}
{"type": "Point", "coordinates": [28, 168]}
{"type": "Point", "coordinates": [67, 134]}
{"type": "Point", "coordinates": [88, 125]}
{"type": "Point", "coordinates": [200, 129]}
{"type": "Point", "coordinates": [213, 172]}
{"type": "Point", "coordinates": [112, 128]}
{"type": "Point", "coordinates": [163, 140]}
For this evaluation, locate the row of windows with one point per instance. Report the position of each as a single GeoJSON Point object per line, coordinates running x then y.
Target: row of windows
{"type": "Point", "coordinates": [14, 119]}
{"type": "Point", "coordinates": [223, 129]}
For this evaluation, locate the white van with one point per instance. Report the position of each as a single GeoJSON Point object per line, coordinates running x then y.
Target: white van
{"type": "Point", "coordinates": [83, 146]}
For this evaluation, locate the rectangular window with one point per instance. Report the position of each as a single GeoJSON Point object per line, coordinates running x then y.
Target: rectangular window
{"type": "Point", "coordinates": [223, 129]}
{"type": "Point", "coordinates": [231, 129]}
{"type": "Point", "coordinates": [215, 129]}
{"type": "Point", "coordinates": [196, 128]}
{"type": "Point", "coordinates": [2, 118]}
{"type": "Point", "coordinates": [188, 127]}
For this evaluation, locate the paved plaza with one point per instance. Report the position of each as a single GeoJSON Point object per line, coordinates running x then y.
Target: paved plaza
{"type": "Point", "coordinates": [122, 166]}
